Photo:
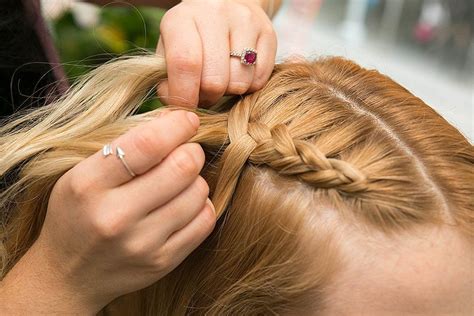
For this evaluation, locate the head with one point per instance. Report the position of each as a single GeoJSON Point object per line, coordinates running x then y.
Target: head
{"type": "Point", "coordinates": [338, 192]}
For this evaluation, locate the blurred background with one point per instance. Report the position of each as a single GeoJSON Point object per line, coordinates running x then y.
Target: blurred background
{"type": "Point", "coordinates": [425, 45]}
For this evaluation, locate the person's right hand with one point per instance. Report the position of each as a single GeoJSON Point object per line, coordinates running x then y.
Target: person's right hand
{"type": "Point", "coordinates": [106, 234]}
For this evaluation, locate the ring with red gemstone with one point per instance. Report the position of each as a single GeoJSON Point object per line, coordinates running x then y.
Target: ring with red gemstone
{"type": "Point", "coordinates": [248, 56]}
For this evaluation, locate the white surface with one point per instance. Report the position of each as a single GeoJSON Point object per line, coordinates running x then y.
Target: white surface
{"type": "Point", "coordinates": [439, 87]}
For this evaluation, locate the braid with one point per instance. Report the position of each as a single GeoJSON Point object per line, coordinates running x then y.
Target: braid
{"type": "Point", "coordinates": [236, 154]}
{"type": "Point", "coordinates": [310, 124]}
{"type": "Point", "coordinates": [277, 149]}
{"type": "Point", "coordinates": [257, 143]}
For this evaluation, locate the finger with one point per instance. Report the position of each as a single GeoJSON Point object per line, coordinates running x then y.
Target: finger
{"type": "Point", "coordinates": [162, 88]}
{"type": "Point", "coordinates": [215, 68]}
{"type": "Point", "coordinates": [241, 75]}
{"type": "Point", "coordinates": [163, 91]}
{"type": "Point", "coordinates": [145, 146]}
{"type": "Point", "coordinates": [184, 241]}
{"type": "Point", "coordinates": [266, 48]}
{"type": "Point", "coordinates": [164, 182]}
{"type": "Point", "coordinates": [177, 213]}
{"type": "Point", "coordinates": [183, 53]}
{"type": "Point", "coordinates": [160, 48]}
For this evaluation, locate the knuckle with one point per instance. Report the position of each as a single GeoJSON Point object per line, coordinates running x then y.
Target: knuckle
{"type": "Point", "coordinates": [245, 13]}
{"type": "Point", "coordinates": [162, 260]}
{"type": "Point", "coordinates": [144, 143]}
{"type": "Point", "coordinates": [217, 7]}
{"type": "Point", "coordinates": [80, 186]}
{"type": "Point", "coordinates": [186, 63]}
{"type": "Point", "coordinates": [238, 87]}
{"type": "Point", "coordinates": [135, 249]}
{"type": "Point", "coordinates": [260, 80]}
{"type": "Point", "coordinates": [213, 85]}
{"type": "Point", "coordinates": [221, 7]}
{"type": "Point", "coordinates": [167, 18]}
{"type": "Point", "coordinates": [268, 30]}
{"type": "Point", "coordinates": [185, 163]}
{"type": "Point", "coordinates": [258, 83]}
{"type": "Point", "coordinates": [107, 227]}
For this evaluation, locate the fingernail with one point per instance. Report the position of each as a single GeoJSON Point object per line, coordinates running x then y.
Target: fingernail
{"type": "Point", "coordinates": [211, 205]}
{"type": "Point", "coordinates": [193, 118]}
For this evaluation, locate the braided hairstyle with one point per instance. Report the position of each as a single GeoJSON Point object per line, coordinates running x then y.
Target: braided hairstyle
{"type": "Point", "coordinates": [324, 151]}
{"type": "Point", "coordinates": [324, 143]}
{"type": "Point", "coordinates": [351, 133]}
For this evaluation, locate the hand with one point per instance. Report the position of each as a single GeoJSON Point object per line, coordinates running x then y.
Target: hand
{"type": "Point", "coordinates": [196, 39]}
{"type": "Point", "coordinates": [107, 233]}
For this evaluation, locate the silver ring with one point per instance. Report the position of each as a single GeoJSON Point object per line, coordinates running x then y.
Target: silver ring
{"type": "Point", "coordinates": [107, 150]}
{"type": "Point", "coordinates": [248, 56]}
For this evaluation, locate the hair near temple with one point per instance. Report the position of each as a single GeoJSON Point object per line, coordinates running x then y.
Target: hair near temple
{"type": "Point", "coordinates": [324, 142]}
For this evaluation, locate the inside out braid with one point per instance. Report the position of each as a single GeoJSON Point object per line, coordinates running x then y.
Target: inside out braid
{"type": "Point", "coordinates": [277, 149]}
{"type": "Point", "coordinates": [252, 141]}
{"type": "Point", "coordinates": [329, 137]}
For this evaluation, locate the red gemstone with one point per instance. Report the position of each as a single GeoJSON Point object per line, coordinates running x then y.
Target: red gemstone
{"type": "Point", "coordinates": [250, 57]}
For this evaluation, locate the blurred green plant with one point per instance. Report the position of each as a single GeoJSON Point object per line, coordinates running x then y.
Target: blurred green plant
{"type": "Point", "coordinates": [120, 30]}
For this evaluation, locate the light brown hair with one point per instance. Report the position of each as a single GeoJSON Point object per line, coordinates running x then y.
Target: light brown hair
{"type": "Point", "coordinates": [324, 141]}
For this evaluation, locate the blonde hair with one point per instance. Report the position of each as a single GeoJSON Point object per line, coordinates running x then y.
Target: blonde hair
{"type": "Point", "coordinates": [322, 137]}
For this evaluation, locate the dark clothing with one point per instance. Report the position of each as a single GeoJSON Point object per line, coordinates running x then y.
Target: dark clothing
{"type": "Point", "coordinates": [30, 72]}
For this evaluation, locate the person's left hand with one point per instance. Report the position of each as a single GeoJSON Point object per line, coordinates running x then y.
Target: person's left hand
{"type": "Point", "coordinates": [196, 39]}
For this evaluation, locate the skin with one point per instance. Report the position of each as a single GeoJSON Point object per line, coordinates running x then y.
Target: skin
{"type": "Point", "coordinates": [197, 48]}
{"type": "Point", "coordinates": [112, 239]}
{"type": "Point", "coordinates": [425, 271]}
{"type": "Point", "coordinates": [200, 70]}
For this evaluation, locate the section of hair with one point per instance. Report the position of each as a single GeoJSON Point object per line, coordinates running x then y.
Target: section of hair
{"type": "Point", "coordinates": [322, 142]}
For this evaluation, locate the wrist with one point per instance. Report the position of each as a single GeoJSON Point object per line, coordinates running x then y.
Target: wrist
{"type": "Point", "coordinates": [270, 7]}
{"type": "Point", "coordinates": [33, 287]}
